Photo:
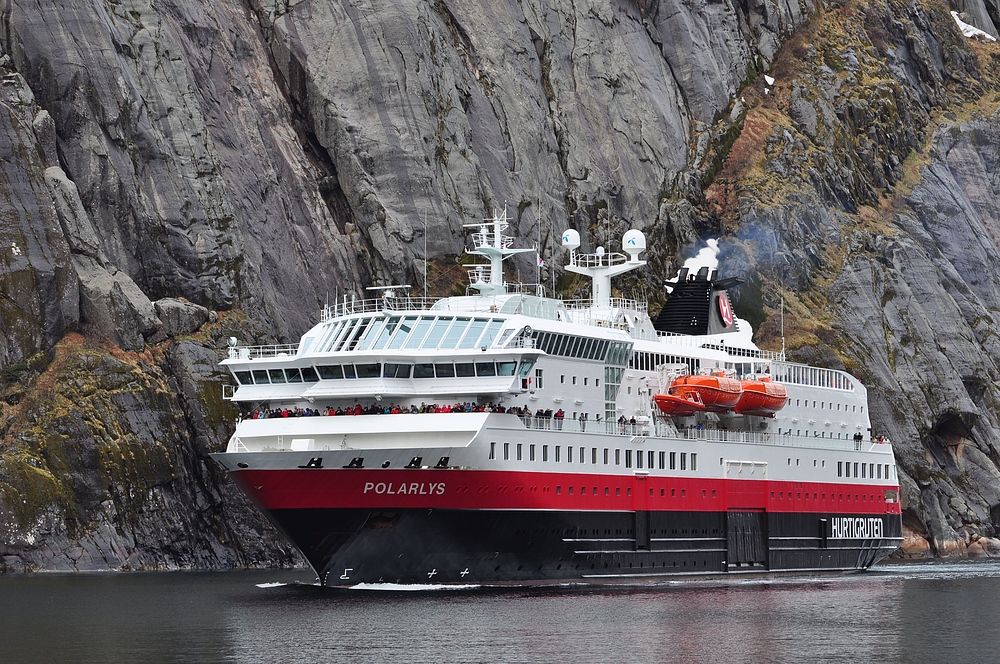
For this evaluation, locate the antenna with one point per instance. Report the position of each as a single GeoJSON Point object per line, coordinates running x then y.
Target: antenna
{"type": "Point", "coordinates": [782, 326]}
{"type": "Point", "coordinates": [425, 255]}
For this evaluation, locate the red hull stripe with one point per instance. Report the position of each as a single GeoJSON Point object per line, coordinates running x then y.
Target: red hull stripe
{"type": "Point", "coordinates": [333, 488]}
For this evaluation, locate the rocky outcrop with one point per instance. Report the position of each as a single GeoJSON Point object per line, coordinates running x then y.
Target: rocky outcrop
{"type": "Point", "coordinates": [258, 158]}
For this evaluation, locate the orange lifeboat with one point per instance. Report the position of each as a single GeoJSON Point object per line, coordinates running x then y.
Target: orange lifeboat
{"type": "Point", "coordinates": [678, 404]}
{"type": "Point", "coordinates": [761, 397]}
{"type": "Point", "coordinates": [716, 393]}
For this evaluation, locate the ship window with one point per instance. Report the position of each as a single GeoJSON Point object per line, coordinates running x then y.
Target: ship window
{"type": "Point", "coordinates": [486, 369]}
{"type": "Point", "coordinates": [368, 370]}
{"type": "Point", "coordinates": [386, 332]}
{"type": "Point", "coordinates": [673, 460]}
{"type": "Point", "coordinates": [638, 459]}
{"type": "Point", "coordinates": [243, 377]}
{"type": "Point", "coordinates": [694, 461]}
{"type": "Point", "coordinates": [471, 337]}
{"type": "Point", "coordinates": [418, 334]}
{"type": "Point", "coordinates": [684, 460]}
{"type": "Point", "coordinates": [348, 331]}
{"type": "Point", "coordinates": [855, 468]}
{"type": "Point", "coordinates": [293, 376]}
{"type": "Point", "coordinates": [606, 457]}
{"type": "Point", "coordinates": [650, 458]}
{"type": "Point", "coordinates": [493, 450]}
{"type": "Point", "coordinates": [538, 379]}
{"type": "Point", "coordinates": [370, 334]}
{"type": "Point", "coordinates": [506, 451]}
{"type": "Point", "coordinates": [309, 375]}
{"type": "Point", "coordinates": [444, 370]}
{"type": "Point", "coordinates": [491, 332]}
{"type": "Point", "coordinates": [560, 348]}
{"type": "Point", "coordinates": [557, 453]}
{"type": "Point", "coordinates": [437, 333]}
{"type": "Point", "coordinates": [389, 370]}
{"type": "Point", "coordinates": [402, 332]}
{"type": "Point", "coordinates": [871, 470]}
{"type": "Point", "coordinates": [465, 370]}
{"type": "Point", "coordinates": [455, 333]}
{"type": "Point", "coordinates": [571, 490]}
{"type": "Point", "coordinates": [330, 371]}
{"type": "Point", "coordinates": [569, 454]}
{"type": "Point", "coordinates": [593, 455]}
{"type": "Point", "coordinates": [618, 457]}
{"type": "Point", "coordinates": [597, 382]}
{"type": "Point", "coordinates": [663, 460]}
{"type": "Point", "coordinates": [558, 490]}
{"type": "Point", "coordinates": [628, 458]}
{"type": "Point", "coordinates": [545, 452]}
{"type": "Point", "coordinates": [423, 370]}
{"type": "Point", "coordinates": [506, 368]}
{"type": "Point", "coordinates": [525, 368]}
{"type": "Point", "coordinates": [863, 473]}
{"type": "Point", "coordinates": [583, 456]}
{"type": "Point", "coordinates": [562, 379]}
{"type": "Point", "coordinates": [574, 380]}
{"type": "Point", "coordinates": [519, 448]}
{"type": "Point", "coordinates": [277, 376]}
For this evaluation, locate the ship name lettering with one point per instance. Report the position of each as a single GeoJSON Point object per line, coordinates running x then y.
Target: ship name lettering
{"type": "Point", "coordinates": [402, 488]}
{"type": "Point", "coordinates": [856, 528]}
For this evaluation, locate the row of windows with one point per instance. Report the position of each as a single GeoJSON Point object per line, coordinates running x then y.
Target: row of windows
{"type": "Point", "coordinates": [381, 370]}
{"type": "Point", "coordinates": [644, 361]}
{"type": "Point", "coordinates": [823, 405]}
{"type": "Point", "coordinates": [873, 471]}
{"type": "Point", "coordinates": [804, 375]}
{"type": "Point", "coordinates": [276, 376]}
{"type": "Point", "coordinates": [650, 459]}
{"type": "Point", "coordinates": [406, 333]}
{"type": "Point", "coordinates": [858, 498]}
{"type": "Point", "coordinates": [585, 348]}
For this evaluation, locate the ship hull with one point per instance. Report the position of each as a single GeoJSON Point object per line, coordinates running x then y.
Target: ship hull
{"type": "Point", "coordinates": [347, 547]}
{"type": "Point", "coordinates": [455, 526]}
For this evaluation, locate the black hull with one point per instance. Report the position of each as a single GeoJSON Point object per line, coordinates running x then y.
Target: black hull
{"type": "Point", "coordinates": [351, 546]}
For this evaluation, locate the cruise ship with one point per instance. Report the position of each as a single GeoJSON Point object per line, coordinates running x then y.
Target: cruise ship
{"type": "Point", "coordinates": [505, 437]}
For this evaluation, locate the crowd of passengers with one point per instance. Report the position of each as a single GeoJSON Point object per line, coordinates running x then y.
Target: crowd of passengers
{"type": "Point", "coordinates": [393, 409]}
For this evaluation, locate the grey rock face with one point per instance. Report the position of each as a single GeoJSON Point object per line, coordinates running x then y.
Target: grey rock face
{"type": "Point", "coordinates": [266, 156]}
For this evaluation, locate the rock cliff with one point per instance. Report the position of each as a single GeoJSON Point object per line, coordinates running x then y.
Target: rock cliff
{"type": "Point", "coordinates": [178, 172]}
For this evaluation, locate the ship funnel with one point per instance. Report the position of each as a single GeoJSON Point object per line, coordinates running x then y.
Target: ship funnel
{"type": "Point", "coordinates": [571, 239]}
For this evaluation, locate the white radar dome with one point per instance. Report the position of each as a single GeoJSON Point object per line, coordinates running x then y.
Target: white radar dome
{"type": "Point", "coordinates": [634, 243]}
{"type": "Point", "coordinates": [570, 239]}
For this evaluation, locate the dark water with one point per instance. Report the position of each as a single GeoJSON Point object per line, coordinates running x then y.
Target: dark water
{"type": "Point", "coordinates": [927, 612]}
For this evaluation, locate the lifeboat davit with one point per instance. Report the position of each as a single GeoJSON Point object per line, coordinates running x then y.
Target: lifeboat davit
{"type": "Point", "coordinates": [716, 393]}
{"type": "Point", "coordinates": [761, 397]}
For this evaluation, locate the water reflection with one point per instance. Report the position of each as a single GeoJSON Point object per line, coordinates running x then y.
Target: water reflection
{"type": "Point", "coordinates": [899, 613]}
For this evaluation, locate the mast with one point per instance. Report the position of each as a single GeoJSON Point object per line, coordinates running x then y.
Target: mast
{"type": "Point", "coordinates": [495, 246]}
{"type": "Point", "coordinates": [600, 267]}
